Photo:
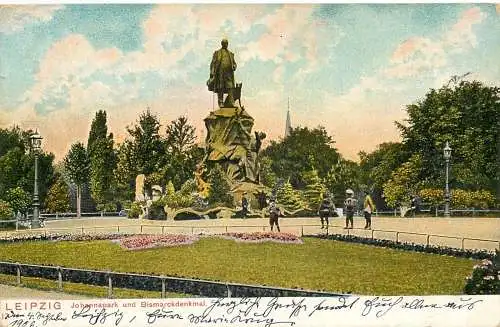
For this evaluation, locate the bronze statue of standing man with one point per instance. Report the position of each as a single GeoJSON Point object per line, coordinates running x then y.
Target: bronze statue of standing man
{"type": "Point", "coordinates": [221, 79]}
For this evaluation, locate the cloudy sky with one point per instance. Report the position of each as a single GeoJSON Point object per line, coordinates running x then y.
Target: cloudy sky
{"type": "Point", "coordinates": [350, 68]}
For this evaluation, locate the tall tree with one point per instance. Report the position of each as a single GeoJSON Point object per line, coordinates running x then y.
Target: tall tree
{"type": "Point", "coordinates": [375, 168]}
{"type": "Point", "coordinates": [58, 197]}
{"type": "Point", "coordinates": [303, 150]}
{"type": "Point", "coordinates": [468, 116]}
{"type": "Point", "coordinates": [78, 168]}
{"type": "Point", "coordinates": [102, 159]}
{"type": "Point", "coordinates": [147, 145]}
{"type": "Point", "coordinates": [343, 174]}
{"type": "Point", "coordinates": [17, 163]}
{"type": "Point", "coordinates": [182, 152]}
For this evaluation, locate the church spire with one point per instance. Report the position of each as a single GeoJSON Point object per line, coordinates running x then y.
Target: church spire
{"type": "Point", "coordinates": [288, 126]}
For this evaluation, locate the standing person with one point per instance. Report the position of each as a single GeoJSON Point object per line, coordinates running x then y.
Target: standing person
{"type": "Point", "coordinates": [221, 79]}
{"type": "Point", "coordinates": [324, 211]}
{"type": "Point", "coordinates": [349, 207]}
{"type": "Point", "coordinates": [274, 213]}
{"type": "Point", "coordinates": [368, 209]}
{"type": "Point", "coordinates": [244, 205]}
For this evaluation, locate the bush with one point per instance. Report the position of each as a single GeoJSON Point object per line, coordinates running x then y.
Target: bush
{"type": "Point", "coordinates": [156, 210]}
{"type": "Point", "coordinates": [135, 210]}
{"type": "Point", "coordinates": [106, 207]}
{"type": "Point", "coordinates": [484, 278]}
{"type": "Point", "coordinates": [6, 212]}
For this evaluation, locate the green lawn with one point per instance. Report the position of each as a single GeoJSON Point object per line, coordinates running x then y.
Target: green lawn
{"type": "Point", "coordinates": [81, 289]}
{"type": "Point", "coordinates": [316, 264]}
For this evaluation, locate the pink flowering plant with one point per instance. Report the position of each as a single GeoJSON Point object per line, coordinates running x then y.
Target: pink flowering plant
{"type": "Point", "coordinates": [485, 277]}
{"type": "Point", "coordinates": [141, 242]}
{"type": "Point", "coordinates": [259, 237]}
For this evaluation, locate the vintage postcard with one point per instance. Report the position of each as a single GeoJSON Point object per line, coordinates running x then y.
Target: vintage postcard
{"type": "Point", "coordinates": [250, 164]}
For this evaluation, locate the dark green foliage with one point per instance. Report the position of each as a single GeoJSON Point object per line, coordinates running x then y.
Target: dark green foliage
{"type": "Point", "coordinates": [342, 175]}
{"type": "Point", "coordinates": [147, 147]}
{"type": "Point", "coordinates": [102, 159]}
{"type": "Point", "coordinates": [219, 188]}
{"type": "Point", "coordinates": [303, 150]}
{"type": "Point", "coordinates": [468, 116]}
{"type": "Point", "coordinates": [182, 152]}
{"type": "Point", "coordinates": [17, 163]}
{"type": "Point", "coordinates": [6, 212]}
{"type": "Point", "coordinates": [18, 199]}
{"type": "Point", "coordinates": [77, 166]}
{"type": "Point", "coordinates": [485, 278]}
{"type": "Point", "coordinates": [314, 189]}
{"type": "Point", "coordinates": [58, 197]}
{"type": "Point", "coordinates": [289, 197]}
{"type": "Point", "coordinates": [135, 210]}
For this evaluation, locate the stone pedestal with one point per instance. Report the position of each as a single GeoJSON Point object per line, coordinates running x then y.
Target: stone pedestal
{"type": "Point", "coordinates": [231, 143]}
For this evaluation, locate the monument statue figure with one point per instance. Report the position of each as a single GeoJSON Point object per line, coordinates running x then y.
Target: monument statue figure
{"type": "Point", "coordinates": [221, 79]}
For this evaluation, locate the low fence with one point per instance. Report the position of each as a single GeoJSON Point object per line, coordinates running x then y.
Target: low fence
{"type": "Point", "coordinates": [425, 238]}
{"type": "Point", "coordinates": [163, 284]}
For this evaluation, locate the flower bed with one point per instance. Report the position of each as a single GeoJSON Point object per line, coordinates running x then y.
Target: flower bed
{"type": "Point", "coordinates": [442, 250]}
{"type": "Point", "coordinates": [148, 241]}
{"type": "Point", "coordinates": [140, 242]}
{"type": "Point", "coordinates": [485, 278]}
{"type": "Point", "coordinates": [259, 237]}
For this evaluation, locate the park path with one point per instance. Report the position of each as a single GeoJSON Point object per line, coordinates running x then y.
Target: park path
{"type": "Point", "coordinates": [478, 228]}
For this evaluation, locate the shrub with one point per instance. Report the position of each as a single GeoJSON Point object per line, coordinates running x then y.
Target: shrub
{"type": "Point", "coordinates": [485, 277]}
{"type": "Point", "coordinates": [107, 207]}
{"type": "Point", "coordinates": [156, 210]}
{"type": "Point", "coordinates": [135, 210]}
{"type": "Point", "coordinates": [6, 212]}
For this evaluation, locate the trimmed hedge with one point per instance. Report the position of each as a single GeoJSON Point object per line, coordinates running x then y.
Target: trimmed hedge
{"type": "Point", "coordinates": [198, 287]}
{"type": "Point", "coordinates": [441, 250]}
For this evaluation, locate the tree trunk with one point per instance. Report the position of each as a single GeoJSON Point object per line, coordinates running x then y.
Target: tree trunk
{"type": "Point", "coordinates": [78, 201]}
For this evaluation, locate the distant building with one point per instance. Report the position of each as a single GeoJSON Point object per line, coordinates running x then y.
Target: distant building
{"type": "Point", "coordinates": [288, 126]}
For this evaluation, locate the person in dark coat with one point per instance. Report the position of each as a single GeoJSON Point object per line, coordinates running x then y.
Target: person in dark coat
{"type": "Point", "coordinates": [325, 210]}
{"type": "Point", "coordinates": [274, 213]}
{"type": "Point", "coordinates": [244, 205]}
{"type": "Point", "coordinates": [221, 79]}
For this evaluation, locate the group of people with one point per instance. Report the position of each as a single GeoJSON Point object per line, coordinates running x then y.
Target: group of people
{"type": "Point", "coordinates": [326, 209]}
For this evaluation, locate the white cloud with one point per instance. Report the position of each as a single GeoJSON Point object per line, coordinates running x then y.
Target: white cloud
{"type": "Point", "coordinates": [418, 55]}
{"type": "Point", "coordinates": [14, 18]}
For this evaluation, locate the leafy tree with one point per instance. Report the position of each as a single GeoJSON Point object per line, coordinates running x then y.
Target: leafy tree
{"type": "Point", "coordinates": [182, 152]}
{"type": "Point", "coordinates": [181, 136]}
{"type": "Point", "coordinates": [342, 175]}
{"type": "Point", "coordinates": [17, 163]}
{"type": "Point", "coordinates": [147, 145]}
{"type": "Point", "coordinates": [404, 182]}
{"type": "Point", "coordinates": [102, 159]}
{"type": "Point", "coordinates": [468, 116]}
{"type": "Point", "coordinates": [58, 197]}
{"type": "Point", "coordinates": [375, 168]}
{"type": "Point", "coordinates": [314, 189]}
{"type": "Point", "coordinates": [219, 193]}
{"type": "Point", "coordinates": [303, 150]}
{"type": "Point", "coordinates": [6, 212]}
{"type": "Point", "coordinates": [267, 175]}
{"type": "Point", "coordinates": [18, 199]}
{"type": "Point", "coordinates": [78, 167]}
{"type": "Point", "coordinates": [289, 197]}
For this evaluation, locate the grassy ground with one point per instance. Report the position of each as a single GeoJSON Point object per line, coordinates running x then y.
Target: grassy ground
{"type": "Point", "coordinates": [81, 289]}
{"type": "Point", "coordinates": [316, 264]}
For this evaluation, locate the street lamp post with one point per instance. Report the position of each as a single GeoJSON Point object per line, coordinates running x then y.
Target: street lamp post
{"type": "Point", "coordinates": [447, 156]}
{"type": "Point", "coordinates": [36, 143]}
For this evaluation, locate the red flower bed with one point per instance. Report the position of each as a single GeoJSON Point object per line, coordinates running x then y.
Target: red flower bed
{"type": "Point", "coordinates": [140, 242]}
{"type": "Point", "coordinates": [258, 237]}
